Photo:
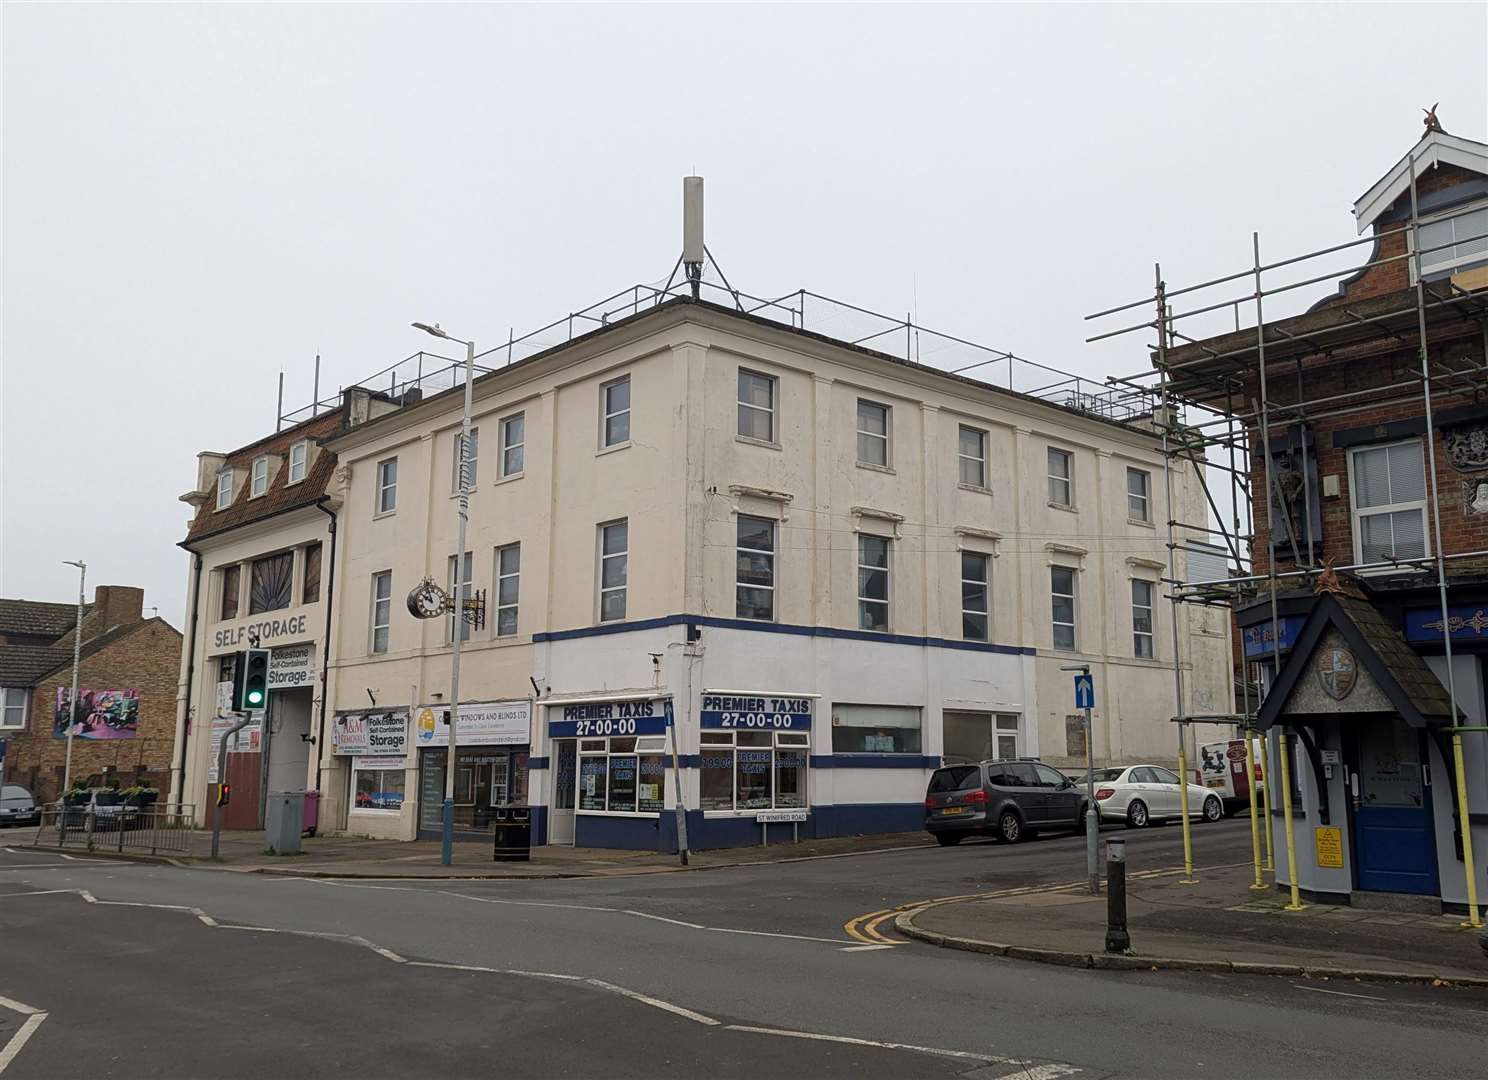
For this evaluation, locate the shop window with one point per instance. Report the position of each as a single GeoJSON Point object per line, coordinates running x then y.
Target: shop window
{"type": "Point", "coordinates": [271, 584]}
{"type": "Point", "coordinates": [979, 736]}
{"type": "Point", "coordinates": [754, 770]}
{"type": "Point", "coordinates": [875, 729]}
{"type": "Point", "coordinates": [623, 775]}
{"type": "Point", "coordinates": [311, 592]}
{"type": "Point", "coordinates": [377, 786]}
{"type": "Point", "coordinates": [231, 584]}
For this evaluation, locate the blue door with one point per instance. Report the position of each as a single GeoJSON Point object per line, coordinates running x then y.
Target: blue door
{"type": "Point", "coordinates": [1395, 845]}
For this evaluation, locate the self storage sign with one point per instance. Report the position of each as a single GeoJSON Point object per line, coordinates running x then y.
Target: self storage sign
{"type": "Point", "coordinates": [371, 734]}
{"type": "Point", "coordinates": [731, 712]}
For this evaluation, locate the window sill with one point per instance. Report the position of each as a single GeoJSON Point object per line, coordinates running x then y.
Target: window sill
{"type": "Point", "coordinates": [356, 811]}
{"type": "Point", "coordinates": [978, 488]}
{"type": "Point", "coordinates": [886, 469]}
{"type": "Point", "coordinates": [1068, 508]}
{"type": "Point", "coordinates": [750, 440]}
{"type": "Point", "coordinates": [610, 450]}
{"type": "Point", "coordinates": [260, 495]}
{"type": "Point", "coordinates": [508, 478]}
{"type": "Point", "coordinates": [1143, 524]}
{"type": "Point", "coordinates": [384, 514]}
{"type": "Point", "coordinates": [640, 815]}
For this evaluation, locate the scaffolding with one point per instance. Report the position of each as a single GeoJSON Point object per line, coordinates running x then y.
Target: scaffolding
{"type": "Point", "coordinates": [1221, 396]}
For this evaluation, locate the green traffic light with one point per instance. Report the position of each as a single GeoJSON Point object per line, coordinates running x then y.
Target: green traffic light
{"type": "Point", "coordinates": [255, 697]}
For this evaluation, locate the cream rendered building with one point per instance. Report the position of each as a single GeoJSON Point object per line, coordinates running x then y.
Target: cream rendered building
{"type": "Point", "coordinates": [834, 568]}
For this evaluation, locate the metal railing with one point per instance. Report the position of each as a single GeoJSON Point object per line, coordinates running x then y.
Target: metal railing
{"type": "Point", "coordinates": [155, 828]}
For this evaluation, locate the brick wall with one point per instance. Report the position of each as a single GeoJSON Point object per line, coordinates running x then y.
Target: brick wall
{"type": "Point", "coordinates": [147, 660]}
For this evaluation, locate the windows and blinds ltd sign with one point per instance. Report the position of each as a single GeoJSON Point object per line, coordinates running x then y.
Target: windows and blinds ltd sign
{"type": "Point", "coordinates": [755, 713]}
{"type": "Point", "coordinates": [371, 734]}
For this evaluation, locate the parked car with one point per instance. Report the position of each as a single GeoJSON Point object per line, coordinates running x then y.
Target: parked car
{"type": "Point", "coordinates": [1005, 799]}
{"type": "Point", "coordinates": [17, 807]}
{"type": "Point", "coordinates": [1141, 794]}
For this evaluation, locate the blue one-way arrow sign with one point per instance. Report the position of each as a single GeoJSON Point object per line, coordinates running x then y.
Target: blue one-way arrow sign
{"type": "Point", "coordinates": [1084, 691]}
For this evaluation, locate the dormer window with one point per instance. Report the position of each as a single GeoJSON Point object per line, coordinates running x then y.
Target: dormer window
{"type": "Point", "coordinates": [299, 454]}
{"type": "Point", "coordinates": [224, 489]}
{"type": "Point", "coordinates": [1454, 241]}
{"type": "Point", "coordinates": [260, 483]}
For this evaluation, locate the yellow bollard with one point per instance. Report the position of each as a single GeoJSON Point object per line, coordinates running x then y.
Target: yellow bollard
{"type": "Point", "coordinates": [1255, 829]}
{"type": "Point", "coordinates": [1188, 873]}
{"type": "Point", "coordinates": [1473, 918]}
{"type": "Point", "coordinates": [1286, 817]}
{"type": "Point", "coordinates": [1266, 802]}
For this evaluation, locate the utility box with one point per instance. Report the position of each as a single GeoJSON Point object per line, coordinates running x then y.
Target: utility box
{"type": "Point", "coordinates": [284, 822]}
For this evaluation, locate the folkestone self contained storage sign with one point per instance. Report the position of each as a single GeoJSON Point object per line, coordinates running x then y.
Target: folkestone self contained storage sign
{"type": "Point", "coordinates": [370, 733]}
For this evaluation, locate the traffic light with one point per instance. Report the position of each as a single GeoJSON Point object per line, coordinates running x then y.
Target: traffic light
{"type": "Point", "coordinates": [224, 794]}
{"type": "Point", "coordinates": [251, 680]}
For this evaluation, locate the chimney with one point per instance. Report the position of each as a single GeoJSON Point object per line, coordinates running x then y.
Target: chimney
{"type": "Point", "coordinates": [117, 605]}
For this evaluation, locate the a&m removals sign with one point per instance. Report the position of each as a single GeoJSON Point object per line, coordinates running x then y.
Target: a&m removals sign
{"type": "Point", "coordinates": [381, 733]}
{"type": "Point", "coordinates": [749, 712]}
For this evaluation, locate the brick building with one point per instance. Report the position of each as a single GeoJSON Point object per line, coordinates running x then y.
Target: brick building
{"type": "Point", "coordinates": [126, 690]}
{"type": "Point", "coordinates": [1366, 422]}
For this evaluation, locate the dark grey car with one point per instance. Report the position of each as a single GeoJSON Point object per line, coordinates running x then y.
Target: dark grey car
{"type": "Point", "coordinates": [1005, 799]}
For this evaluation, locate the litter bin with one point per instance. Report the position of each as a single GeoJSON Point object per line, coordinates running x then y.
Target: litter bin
{"type": "Point", "coordinates": [513, 828]}
{"type": "Point", "coordinates": [312, 812]}
{"type": "Point", "coordinates": [284, 821]}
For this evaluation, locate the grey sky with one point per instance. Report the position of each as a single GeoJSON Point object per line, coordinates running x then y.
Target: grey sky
{"type": "Point", "coordinates": [198, 197]}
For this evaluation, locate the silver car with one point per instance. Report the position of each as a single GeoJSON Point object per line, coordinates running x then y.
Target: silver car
{"type": "Point", "coordinates": [17, 807]}
{"type": "Point", "coordinates": [1140, 794]}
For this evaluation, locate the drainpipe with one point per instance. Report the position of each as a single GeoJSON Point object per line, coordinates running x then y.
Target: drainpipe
{"type": "Point", "coordinates": [325, 647]}
{"type": "Point", "coordinates": [183, 721]}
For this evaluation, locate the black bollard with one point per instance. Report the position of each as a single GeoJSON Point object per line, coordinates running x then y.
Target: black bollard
{"type": "Point", "coordinates": [1117, 939]}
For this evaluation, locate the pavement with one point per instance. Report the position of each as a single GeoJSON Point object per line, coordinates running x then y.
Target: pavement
{"type": "Point", "coordinates": [153, 970]}
{"type": "Point", "coordinates": [1216, 924]}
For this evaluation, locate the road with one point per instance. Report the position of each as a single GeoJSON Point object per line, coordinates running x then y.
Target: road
{"type": "Point", "coordinates": [141, 970]}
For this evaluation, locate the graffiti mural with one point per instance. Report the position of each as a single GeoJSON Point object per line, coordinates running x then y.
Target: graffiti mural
{"type": "Point", "coordinates": [100, 714]}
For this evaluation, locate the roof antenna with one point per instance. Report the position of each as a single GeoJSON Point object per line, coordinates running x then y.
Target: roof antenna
{"type": "Point", "coordinates": [693, 251]}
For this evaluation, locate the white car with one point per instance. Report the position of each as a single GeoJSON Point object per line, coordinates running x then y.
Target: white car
{"type": "Point", "coordinates": [1140, 794]}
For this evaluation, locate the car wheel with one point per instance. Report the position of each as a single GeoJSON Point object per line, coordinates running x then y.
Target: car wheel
{"type": "Point", "coordinates": [1136, 815]}
{"type": "Point", "coordinates": [1213, 809]}
{"type": "Point", "coordinates": [947, 839]}
{"type": "Point", "coordinates": [1010, 827]}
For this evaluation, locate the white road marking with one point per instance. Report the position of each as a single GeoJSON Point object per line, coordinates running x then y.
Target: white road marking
{"type": "Point", "coordinates": [655, 1003]}
{"type": "Point", "coordinates": [34, 1019]}
{"type": "Point", "coordinates": [1339, 993]}
{"type": "Point", "coordinates": [865, 948]}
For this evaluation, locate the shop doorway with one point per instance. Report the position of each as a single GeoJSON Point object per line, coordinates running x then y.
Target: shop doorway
{"type": "Point", "coordinates": [565, 788]}
{"type": "Point", "coordinates": [1394, 841]}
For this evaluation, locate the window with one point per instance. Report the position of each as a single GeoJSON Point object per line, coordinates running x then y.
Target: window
{"type": "Point", "coordinates": [623, 775]}
{"type": "Point", "coordinates": [1062, 591]}
{"type": "Point", "coordinates": [382, 609]}
{"type": "Point", "coordinates": [299, 454]}
{"type": "Point", "coordinates": [508, 582]}
{"type": "Point", "coordinates": [13, 707]}
{"type": "Point", "coordinates": [873, 433]}
{"type": "Point", "coordinates": [224, 489]}
{"type": "Point", "coordinates": [977, 736]}
{"type": "Point", "coordinates": [1458, 240]}
{"type": "Point", "coordinates": [260, 477]}
{"type": "Point", "coordinates": [513, 444]}
{"type": "Point", "coordinates": [754, 574]}
{"type": "Point", "coordinates": [973, 453]}
{"type": "Point", "coordinates": [463, 586]}
{"type": "Point", "coordinates": [753, 770]}
{"type": "Point", "coordinates": [231, 586]}
{"type": "Point", "coordinates": [1074, 735]}
{"type": "Point", "coordinates": [1061, 477]}
{"type": "Point", "coordinates": [1389, 487]}
{"type": "Point", "coordinates": [614, 413]}
{"type": "Point", "coordinates": [974, 595]}
{"type": "Point", "coordinates": [1142, 618]}
{"type": "Point", "coordinates": [387, 486]}
{"type": "Point", "coordinates": [1049, 777]}
{"type": "Point", "coordinates": [311, 590]}
{"type": "Point", "coordinates": [470, 463]}
{"type": "Point", "coordinates": [377, 784]}
{"type": "Point", "coordinates": [614, 555]}
{"type": "Point", "coordinates": [271, 584]}
{"type": "Point", "coordinates": [1138, 495]}
{"type": "Point", "coordinates": [875, 729]}
{"type": "Point", "coordinates": [956, 778]}
{"type": "Point", "coordinates": [873, 582]}
{"type": "Point", "coordinates": [756, 406]}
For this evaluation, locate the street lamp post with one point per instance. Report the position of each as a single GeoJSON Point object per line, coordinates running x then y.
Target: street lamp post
{"type": "Point", "coordinates": [447, 845]}
{"type": "Point", "coordinates": [77, 655]}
